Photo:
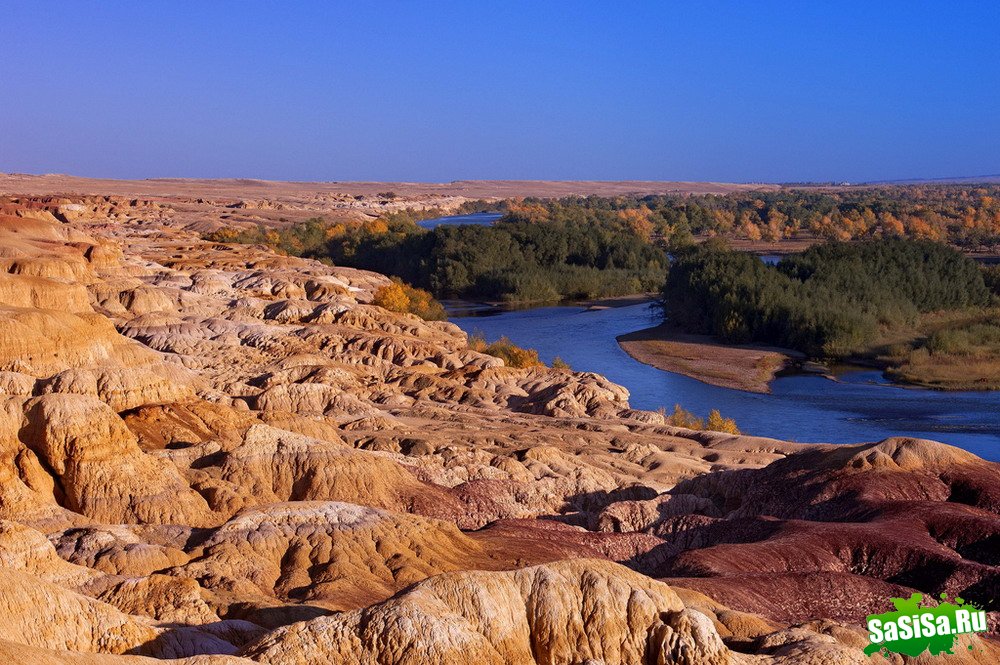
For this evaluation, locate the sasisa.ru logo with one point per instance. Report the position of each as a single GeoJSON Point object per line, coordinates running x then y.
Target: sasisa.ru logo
{"type": "Point", "coordinates": [913, 629]}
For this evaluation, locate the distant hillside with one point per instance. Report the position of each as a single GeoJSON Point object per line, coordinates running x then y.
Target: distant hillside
{"type": "Point", "coordinates": [967, 180]}
{"type": "Point", "coordinates": [15, 183]}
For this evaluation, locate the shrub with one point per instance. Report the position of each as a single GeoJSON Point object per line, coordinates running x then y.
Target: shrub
{"type": "Point", "coordinates": [392, 298]}
{"type": "Point", "coordinates": [683, 418]}
{"type": "Point", "coordinates": [716, 422]}
{"type": "Point", "coordinates": [401, 297]}
{"type": "Point", "coordinates": [511, 354]}
{"type": "Point", "coordinates": [991, 275]}
{"type": "Point", "coordinates": [964, 341]}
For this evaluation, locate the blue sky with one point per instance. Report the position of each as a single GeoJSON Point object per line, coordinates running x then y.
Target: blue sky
{"type": "Point", "coordinates": [439, 91]}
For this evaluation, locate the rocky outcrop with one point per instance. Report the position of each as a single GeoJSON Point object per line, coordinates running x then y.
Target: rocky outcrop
{"type": "Point", "coordinates": [574, 611]}
{"type": "Point", "coordinates": [336, 555]}
{"type": "Point", "coordinates": [42, 614]}
{"type": "Point", "coordinates": [100, 470]}
{"type": "Point", "coordinates": [856, 523]}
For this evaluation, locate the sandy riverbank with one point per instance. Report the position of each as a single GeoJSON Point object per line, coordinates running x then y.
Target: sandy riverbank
{"type": "Point", "coordinates": [749, 368]}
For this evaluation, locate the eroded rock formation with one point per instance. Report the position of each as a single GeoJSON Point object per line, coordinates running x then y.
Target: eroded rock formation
{"type": "Point", "coordinates": [216, 453]}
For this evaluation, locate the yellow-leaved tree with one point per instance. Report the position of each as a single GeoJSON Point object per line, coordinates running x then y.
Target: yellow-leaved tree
{"type": "Point", "coordinates": [717, 423]}
{"type": "Point", "coordinates": [401, 297]}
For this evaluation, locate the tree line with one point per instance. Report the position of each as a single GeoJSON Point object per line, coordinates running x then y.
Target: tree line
{"type": "Point", "coordinates": [833, 300]}
{"type": "Point", "coordinates": [591, 255]}
{"type": "Point", "coordinates": [965, 216]}
{"type": "Point", "coordinates": [587, 247]}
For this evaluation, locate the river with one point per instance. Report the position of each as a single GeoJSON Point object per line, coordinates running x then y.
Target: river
{"type": "Point", "coordinates": [860, 406]}
{"type": "Point", "coordinates": [477, 218]}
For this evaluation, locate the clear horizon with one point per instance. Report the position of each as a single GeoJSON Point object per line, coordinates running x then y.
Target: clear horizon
{"type": "Point", "coordinates": [437, 92]}
{"type": "Point", "coordinates": [968, 179]}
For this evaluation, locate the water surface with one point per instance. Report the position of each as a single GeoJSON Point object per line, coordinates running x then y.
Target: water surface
{"type": "Point", "coordinates": [478, 218]}
{"type": "Point", "coordinates": [861, 406]}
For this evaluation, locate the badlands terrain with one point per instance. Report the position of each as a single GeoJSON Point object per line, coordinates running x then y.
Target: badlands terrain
{"type": "Point", "coordinates": [218, 454]}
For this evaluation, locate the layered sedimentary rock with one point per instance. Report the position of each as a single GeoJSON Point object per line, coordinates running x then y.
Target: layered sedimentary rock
{"type": "Point", "coordinates": [857, 522]}
{"type": "Point", "coordinates": [215, 452]}
{"type": "Point", "coordinates": [578, 611]}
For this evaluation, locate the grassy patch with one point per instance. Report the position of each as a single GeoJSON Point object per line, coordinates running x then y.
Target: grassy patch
{"type": "Point", "coordinates": [954, 351]}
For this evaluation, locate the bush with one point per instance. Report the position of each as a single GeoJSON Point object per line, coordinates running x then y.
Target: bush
{"type": "Point", "coordinates": [991, 276]}
{"type": "Point", "coordinates": [715, 422]}
{"type": "Point", "coordinates": [559, 363]}
{"type": "Point", "coordinates": [511, 354]}
{"type": "Point", "coordinates": [401, 297]}
{"type": "Point", "coordinates": [684, 418]}
{"type": "Point", "coordinates": [966, 341]}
